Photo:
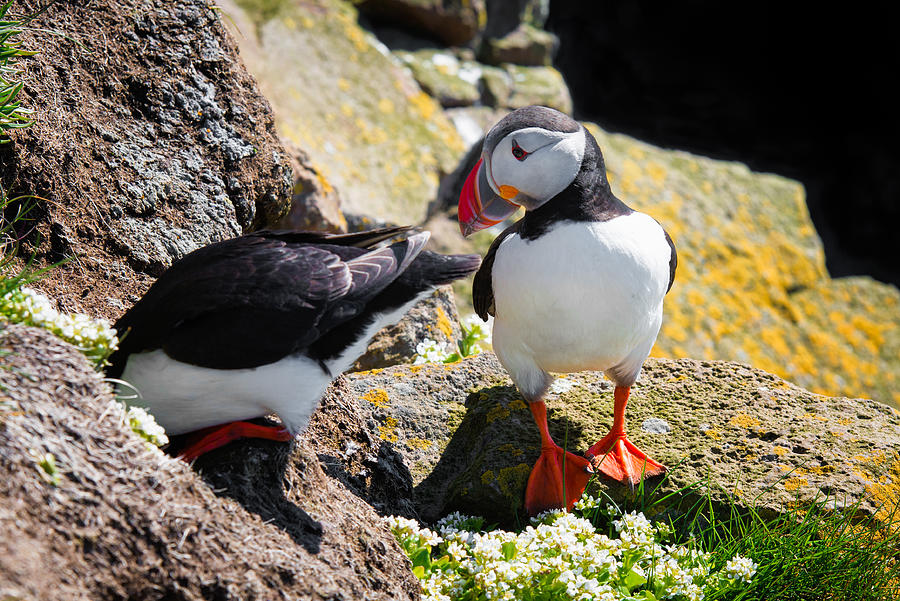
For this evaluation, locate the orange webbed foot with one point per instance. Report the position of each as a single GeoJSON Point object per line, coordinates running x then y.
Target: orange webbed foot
{"type": "Point", "coordinates": [616, 457]}
{"type": "Point", "coordinates": [557, 480]}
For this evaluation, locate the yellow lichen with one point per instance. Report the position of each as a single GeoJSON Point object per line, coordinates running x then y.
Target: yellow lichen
{"type": "Point", "coordinates": [388, 431]}
{"type": "Point", "coordinates": [512, 479]}
{"type": "Point", "coordinates": [378, 397]}
{"type": "Point", "coordinates": [510, 449]}
{"type": "Point", "coordinates": [742, 420]}
{"type": "Point", "coordinates": [795, 483]}
{"type": "Point", "coordinates": [443, 323]}
{"type": "Point", "coordinates": [498, 412]}
{"type": "Point", "coordinates": [487, 477]}
{"type": "Point", "coordinates": [419, 443]}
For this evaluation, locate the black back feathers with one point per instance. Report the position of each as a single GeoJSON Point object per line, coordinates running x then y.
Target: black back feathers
{"type": "Point", "coordinates": [255, 299]}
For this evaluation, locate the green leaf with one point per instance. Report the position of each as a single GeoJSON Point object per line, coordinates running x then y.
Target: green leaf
{"type": "Point", "coordinates": [422, 558]}
{"type": "Point", "coordinates": [633, 580]}
{"type": "Point", "coordinates": [419, 572]}
{"type": "Point", "coordinates": [509, 550]}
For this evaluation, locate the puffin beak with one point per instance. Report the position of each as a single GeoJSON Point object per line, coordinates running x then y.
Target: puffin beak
{"type": "Point", "coordinates": [479, 206]}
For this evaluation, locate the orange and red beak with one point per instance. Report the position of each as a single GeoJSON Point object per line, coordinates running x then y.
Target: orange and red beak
{"type": "Point", "coordinates": [479, 205]}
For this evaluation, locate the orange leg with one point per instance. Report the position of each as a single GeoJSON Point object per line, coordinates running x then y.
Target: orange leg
{"type": "Point", "coordinates": [207, 439]}
{"type": "Point", "coordinates": [615, 456]}
{"type": "Point", "coordinates": [558, 478]}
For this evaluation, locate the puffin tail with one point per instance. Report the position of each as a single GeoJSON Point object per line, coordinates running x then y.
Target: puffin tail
{"type": "Point", "coordinates": [431, 269]}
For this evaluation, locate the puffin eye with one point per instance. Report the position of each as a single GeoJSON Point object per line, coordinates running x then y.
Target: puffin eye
{"type": "Point", "coordinates": [519, 152]}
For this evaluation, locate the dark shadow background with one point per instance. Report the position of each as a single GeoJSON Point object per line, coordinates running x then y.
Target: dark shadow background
{"type": "Point", "coordinates": [807, 92]}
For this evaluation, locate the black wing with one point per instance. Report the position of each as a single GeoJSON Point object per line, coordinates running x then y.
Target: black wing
{"type": "Point", "coordinates": [252, 300]}
{"type": "Point", "coordinates": [483, 283]}
{"type": "Point", "coordinates": [673, 261]}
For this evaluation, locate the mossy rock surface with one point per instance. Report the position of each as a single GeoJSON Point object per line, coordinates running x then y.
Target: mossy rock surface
{"type": "Point", "coordinates": [751, 284]}
{"type": "Point", "coordinates": [340, 96]}
{"type": "Point", "coordinates": [451, 81]}
{"type": "Point", "coordinates": [469, 441]}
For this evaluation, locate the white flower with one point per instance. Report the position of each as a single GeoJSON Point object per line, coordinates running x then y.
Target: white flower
{"type": "Point", "coordinates": [565, 552]}
{"type": "Point", "coordinates": [145, 425]}
{"type": "Point", "coordinates": [480, 329]}
{"type": "Point", "coordinates": [740, 568]}
{"type": "Point", "coordinates": [94, 337]}
{"type": "Point", "coordinates": [431, 351]}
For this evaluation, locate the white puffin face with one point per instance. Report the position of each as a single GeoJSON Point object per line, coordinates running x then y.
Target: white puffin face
{"type": "Point", "coordinates": [532, 165]}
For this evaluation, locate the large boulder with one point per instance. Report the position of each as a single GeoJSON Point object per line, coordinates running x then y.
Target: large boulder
{"type": "Point", "coordinates": [149, 140]}
{"type": "Point", "coordinates": [453, 22]}
{"type": "Point", "coordinates": [434, 318]}
{"type": "Point", "coordinates": [468, 439]}
{"type": "Point", "coordinates": [89, 510]}
{"type": "Point", "coordinates": [751, 284]}
{"type": "Point", "coordinates": [340, 96]}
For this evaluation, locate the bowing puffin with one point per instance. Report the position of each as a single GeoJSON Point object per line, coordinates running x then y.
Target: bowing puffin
{"type": "Point", "coordinates": [576, 284]}
{"type": "Point", "coordinates": [262, 323]}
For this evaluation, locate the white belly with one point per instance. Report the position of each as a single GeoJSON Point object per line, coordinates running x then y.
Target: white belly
{"type": "Point", "coordinates": [184, 397]}
{"type": "Point", "coordinates": [583, 296]}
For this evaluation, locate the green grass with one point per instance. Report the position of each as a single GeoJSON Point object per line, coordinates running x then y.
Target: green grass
{"type": "Point", "coordinates": [12, 114]}
{"type": "Point", "coordinates": [819, 549]}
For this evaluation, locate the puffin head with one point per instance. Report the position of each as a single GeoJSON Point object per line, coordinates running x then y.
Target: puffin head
{"type": "Point", "coordinates": [529, 157]}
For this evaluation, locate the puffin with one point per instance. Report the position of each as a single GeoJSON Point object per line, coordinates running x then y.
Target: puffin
{"type": "Point", "coordinates": [577, 283]}
{"type": "Point", "coordinates": [262, 323]}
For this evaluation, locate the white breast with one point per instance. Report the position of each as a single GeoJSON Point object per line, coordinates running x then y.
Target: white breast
{"type": "Point", "coordinates": [585, 295]}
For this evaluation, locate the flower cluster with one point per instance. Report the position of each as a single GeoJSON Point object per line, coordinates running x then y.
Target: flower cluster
{"type": "Point", "coordinates": [561, 556]}
{"type": "Point", "coordinates": [473, 332]}
{"type": "Point", "coordinates": [143, 424]}
{"type": "Point", "coordinates": [94, 337]}
{"type": "Point", "coordinates": [431, 351]}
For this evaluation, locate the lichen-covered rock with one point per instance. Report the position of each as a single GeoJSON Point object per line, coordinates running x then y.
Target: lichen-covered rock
{"type": "Point", "coordinates": [453, 22]}
{"type": "Point", "coordinates": [315, 203]}
{"type": "Point", "coordinates": [89, 510]}
{"type": "Point", "coordinates": [150, 140]}
{"type": "Point", "coordinates": [433, 318]}
{"type": "Point", "coordinates": [469, 440]}
{"type": "Point", "coordinates": [751, 284]}
{"type": "Point", "coordinates": [537, 85]}
{"type": "Point", "coordinates": [451, 81]}
{"type": "Point", "coordinates": [338, 94]}
{"type": "Point", "coordinates": [525, 45]}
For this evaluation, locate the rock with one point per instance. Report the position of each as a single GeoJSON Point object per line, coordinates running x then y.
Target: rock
{"type": "Point", "coordinates": [315, 204]}
{"type": "Point", "coordinates": [435, 318]}
{"type": "Point", "coordinates": [150, 140]}
{"type": "Point", "coordinates": [525, 45]}
{"type": "Point", "coordinates": [472, 123]}
{"type": "Point", "coordinates": [751, 284]}
{"type": "Point", "coordinates": [123, 520]}
{"type": "Point", "coordinates": [342, 97]}
{"type": "Point", "coordinates": [504, 16]}
{"type": "Point", "coordinates": [469, 441]}
{"type": "Point", "coordinates": [537, 85]}
{"type": "Point", "coordinates": [442, 75]}
{"type": "Point", "coordinates": [453, 22]}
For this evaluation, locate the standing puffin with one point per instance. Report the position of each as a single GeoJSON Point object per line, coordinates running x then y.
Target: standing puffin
{"type": "Point", "coordinates": [576, 284]}
{"type": "Point", "coordinates": [262, 323]}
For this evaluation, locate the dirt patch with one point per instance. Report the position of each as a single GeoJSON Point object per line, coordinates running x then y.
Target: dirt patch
{"type": "Point", "coordinates": [118, 519]}
{"type": "Point", "coordinates": [150, 140]}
